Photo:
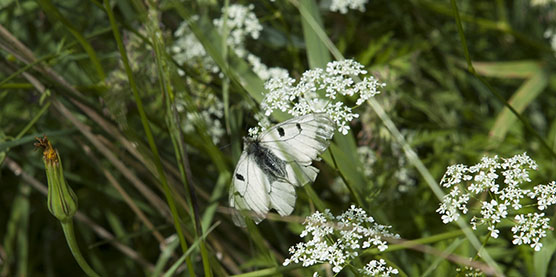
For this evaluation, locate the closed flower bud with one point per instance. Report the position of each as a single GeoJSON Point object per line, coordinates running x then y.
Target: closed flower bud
{"type": "Point", "coordinates": [62, 201]}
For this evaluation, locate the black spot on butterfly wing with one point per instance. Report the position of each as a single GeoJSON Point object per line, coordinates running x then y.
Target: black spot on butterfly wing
{"type": "Point", "coordinates": [298, 127]}
{"type": "Point", "coordinates": [281, 131]}
{"type": "Point", "coordinates": [240, 177]}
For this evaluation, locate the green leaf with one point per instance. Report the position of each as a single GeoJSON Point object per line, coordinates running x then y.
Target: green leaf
{"type": "Point", "coordinates": [541, 259]}
{"type": "Point", "coordinates": [317, 52]}
{"type": "Point", "coordinates": [524, 95]}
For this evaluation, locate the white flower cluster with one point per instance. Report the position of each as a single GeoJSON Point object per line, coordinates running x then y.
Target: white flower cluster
{"type": "Point", "coordinates": [469, 272]}
{"type": "Point", "coordinates": [241, 23]}
{"type": "Point", "coordinates": [263, 122]}
{"type": "Point", "coordinates": [263, 71]}
{"type": "Point", "coordinates": [211, 113]}
{"type": "Point", "coordinates": [337, 240]}
{"type": "Point", "coordinates": [378, 268]}
{"type": "Point", "coordinates": [322, 90]}
{"type": "Point", "coordinates": [529, 229]}
{"type": "Point", "coordinates": [343, 5]}
{"type": "Point", "coordinates": [466, 182]}
{"type": "Point", "coordinates": [187, 49]}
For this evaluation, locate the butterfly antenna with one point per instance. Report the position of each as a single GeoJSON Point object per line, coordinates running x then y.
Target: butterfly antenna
{"type": "Point", "coordinates": [224, 146]}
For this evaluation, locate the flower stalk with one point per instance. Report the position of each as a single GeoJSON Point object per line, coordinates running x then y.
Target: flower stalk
{"type": "Point", "coordinates": [62, 201]}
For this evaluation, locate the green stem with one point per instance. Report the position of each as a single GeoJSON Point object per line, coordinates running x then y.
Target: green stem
{"type": "Point", "coordinates": [67, 226]}
{"type": "Point", "coordinates": [33, 121]}
{"type": "Point", "coordinates": [348, 184]}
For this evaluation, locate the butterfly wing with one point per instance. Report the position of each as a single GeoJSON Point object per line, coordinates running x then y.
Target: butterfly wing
{"type": "Point", "coordinates": [300, 139]}
{"type": "Point", "coordinates": [298, 142]}
{"type": "Point", "coordinates": [250, 190]}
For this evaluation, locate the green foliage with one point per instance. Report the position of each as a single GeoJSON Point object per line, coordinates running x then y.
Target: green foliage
{"type": "Point", "coordinates": [150, 140]}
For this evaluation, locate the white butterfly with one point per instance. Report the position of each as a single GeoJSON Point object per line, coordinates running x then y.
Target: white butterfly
{"type": "Point", "coordinates": [276, 161]}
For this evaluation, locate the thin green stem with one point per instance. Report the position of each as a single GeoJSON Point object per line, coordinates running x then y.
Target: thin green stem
{"type": "Point", "coordinates": [67, 226]}
{"type": "Point", "coordinates": [149, 16]}
{"type": "Point", "coordinates": [348, 184]}
{"type": "Point", "coordinates": [148, 133]}
{"type": "Point", "coordinates": [29, 125]}
{"type": "Point", "coordinates": [25, 68]}
{"type": "Point", "coordinates": [462, 37]}
{"type": "Point", "coordinates": [33, 121]}
{"type": "Point", "coordinates": [411, 243]}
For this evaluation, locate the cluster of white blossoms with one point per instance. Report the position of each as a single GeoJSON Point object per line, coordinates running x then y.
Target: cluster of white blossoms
{"type": "Point", "coordinates": [342, 6]}
{"type": "Point", "coordinates": [503, 199]}
{"type": "Point", "coordinates": [241, 23]}
{"type": "Point", "coordinates": [378, 268]}
{"type": "Point", "coordinates": [210, 114]}
{"type": "Point", "coordinates": [187, 49]}
{"type": "Point", "coordinates": [337, 240]}
{"type": "Point", "coordinates": [263, 71]}
{"type": "Point", "coordinates": [321, 90]}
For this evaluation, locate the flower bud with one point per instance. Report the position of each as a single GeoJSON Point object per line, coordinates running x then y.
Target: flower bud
{"type": "Point", "coordinates": [62, 201]}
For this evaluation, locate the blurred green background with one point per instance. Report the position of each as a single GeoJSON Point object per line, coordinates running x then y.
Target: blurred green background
{"type": "Point", "coordinates": [62, 74]}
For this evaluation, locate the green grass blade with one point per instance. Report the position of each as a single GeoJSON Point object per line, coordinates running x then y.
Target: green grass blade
{"type": "Point", "coordinates": [513, 69]}
{"type": "Point", "coordinates": [522, 98]}
{"type": "Point", "coordinates": [317, 52]}
{"type": "Point", "coordinates": [180, 261]}
{"type": "Point", "coordinates": [541, 259]}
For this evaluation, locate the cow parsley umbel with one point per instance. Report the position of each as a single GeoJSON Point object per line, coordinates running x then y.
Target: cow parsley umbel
{"type": "Point", "coordinates": [239, 24]}
{"type": "Point", "coordinates": [339, 239]}
{"type": "Point", "coordinates": [502, 181]}
{"type": "Point", "coordinates": [322, 90]}
{"type": "Point", "coordinates": [342, 6]}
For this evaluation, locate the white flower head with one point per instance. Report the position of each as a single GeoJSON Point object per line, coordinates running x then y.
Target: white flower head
{"type": "Point", "coordinates": [545, 195]}
{"type": "Point", "coordinates": [502, 180]}
{"type": "Point", "coordinates": [337, 240]}
{"type": "Point", "coordinates": [322, 90]}
{"type": "Point", "coordinates": [240, 23]}
{"type": "Point", "coordinates": [530, 229]}
{"type": "Point", "coordinates": [342, 6]}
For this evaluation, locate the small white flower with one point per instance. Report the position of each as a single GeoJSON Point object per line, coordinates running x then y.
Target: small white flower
{"type": "Point", "coordinates": [451, 203]}
{"type": "Point", "coordinates": [337, 240]}
{"type": "Point", "coordinates": [378, 268]}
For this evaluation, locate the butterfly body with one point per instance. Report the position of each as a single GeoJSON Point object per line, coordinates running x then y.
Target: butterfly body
{"type": "Point", "coordinates": [275, 162]}
{"type": "Point", "coordinates": [270, 164]}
